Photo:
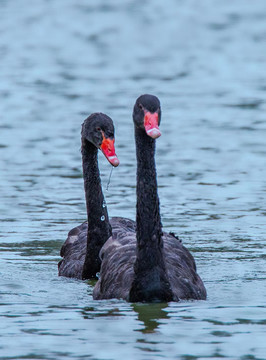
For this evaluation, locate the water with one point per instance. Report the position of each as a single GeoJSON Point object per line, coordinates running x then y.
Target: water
{"type": "Point", "coordinates": [62, 60]}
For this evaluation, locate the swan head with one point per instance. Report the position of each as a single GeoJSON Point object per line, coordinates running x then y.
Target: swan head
{"type": "Point", "coordinates": [98, 129]}
{"type": "Point", "coordinates": [147, 115]}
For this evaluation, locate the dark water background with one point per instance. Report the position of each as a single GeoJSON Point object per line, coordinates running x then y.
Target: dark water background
{"type": "Point", "coordinates": [60, 61]}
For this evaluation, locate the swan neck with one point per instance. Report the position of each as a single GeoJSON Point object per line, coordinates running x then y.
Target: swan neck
{"type": "Point", "coordinates": [148, 219]}
{"type": "Point", "coordinates": [150, 281]}
{"type": "Point", "coordinates": [99, 229]}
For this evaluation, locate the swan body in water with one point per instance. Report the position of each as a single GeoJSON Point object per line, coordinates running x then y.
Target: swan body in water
{"type": "Point", "coordinates": [80, 252]}
{"type": "Point", "coordinates": [140, 262]}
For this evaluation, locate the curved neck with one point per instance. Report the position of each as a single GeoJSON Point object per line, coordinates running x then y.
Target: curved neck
{"type": "Point", "coordinates": [149, 228]}
{"type": "Point", "coordinates": [150, 281]}
{"type": "Point", "coordinates": [99, 229]}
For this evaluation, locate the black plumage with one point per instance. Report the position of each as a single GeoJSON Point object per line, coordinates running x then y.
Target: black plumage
{"type": "Point", "coordinates": [147, 264]}
{"type": "Point", "coordinates": [80, 252]}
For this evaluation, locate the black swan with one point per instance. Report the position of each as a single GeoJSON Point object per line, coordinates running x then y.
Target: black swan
{"type": "Point", "coordinates": [80, 251]}
{"type": "Point", "coordinates": [147, 265]}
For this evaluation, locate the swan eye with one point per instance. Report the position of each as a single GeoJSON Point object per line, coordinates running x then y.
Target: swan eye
{"type": "Point", "coordinates": [140, 106]}
{"type": "Point", "coordinates": [98, 128]}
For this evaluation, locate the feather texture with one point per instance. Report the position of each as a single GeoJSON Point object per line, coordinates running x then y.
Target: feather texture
{"type": "Point", "coordinates": [117, 270]}
{"type": "Point", "coordinates": [144, 263]}
{"type": "Point", "coordinates": [74, 248]}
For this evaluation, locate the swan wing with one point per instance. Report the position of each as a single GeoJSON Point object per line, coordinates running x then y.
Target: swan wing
{"type": "Point", "coordinates": [181, 269]}
{"type": "Point", "coordinates": [117, 270]}
{"type": "Point", "coordinates": [73, 252]}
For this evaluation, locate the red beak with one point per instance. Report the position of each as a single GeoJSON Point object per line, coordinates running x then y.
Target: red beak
{"type": "Point", "coordinates": [108, 149]}
{"type": "Point", "coordinates": [151, 124]}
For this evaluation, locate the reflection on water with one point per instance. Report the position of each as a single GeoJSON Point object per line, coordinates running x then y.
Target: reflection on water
{"type": "Point", "coordinates": [62, 61]}
{"type": "Point", "coordinates": [150, 315]}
